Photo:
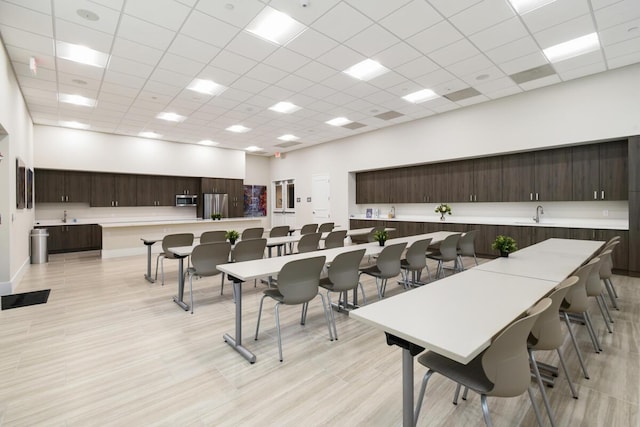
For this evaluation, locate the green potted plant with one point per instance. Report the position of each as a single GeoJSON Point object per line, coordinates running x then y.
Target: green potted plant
{"type": "Point", "coordinates": [381, 236]}
{"type": "Point", "coordinates": [216, 216]}
{"type": "Point", "coordinates": [504, 244]}
{"type": "Point", "coordinates": [443, 208]}
{"type": "Point", "coordinates": [232, 236]}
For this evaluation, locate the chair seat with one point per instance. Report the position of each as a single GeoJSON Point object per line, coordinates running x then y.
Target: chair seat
{"type": "Point", "coordinates": [372, 271]}
{"type": "Point", "coordinates": [434, 255]}
{"type": "Point", "coordinates": [470, 375]}
{"type": "Point", "coordinates": [326, 283]}
{"type": "Point", "coordinates": [274, 293]}
{"type": "Point", "coordinates": [404, 264]}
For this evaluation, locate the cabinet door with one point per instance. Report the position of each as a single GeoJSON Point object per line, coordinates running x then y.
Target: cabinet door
{"type": "Point", "coordinates": [364, 187]}
{"type": "Point", "coordinates": [461, 181]}
{"type": "Point", "coordinates": [102, 190]}
{"type": "Point", "coordinates": [55, 240]}
{"type": "Point", "coordinates": [553, 175]}
{"type": "Point", "coordinates": [125, 189]}
{"type": "Point", "coordinates": [416, 184]}
{"type": "Point", "coordinates": [541, 234]}
{"type": "Point", "coordinates": [396, 186]}
{"type": "Point", "coordinates": [436, 183]}
{"type": "Point", "coordinates": [614, 177]}
{"type": "Point", "coordinates": [49, 186]}
{"type": "Point", "coordinates": [186, 185]}
{"type": "Point", "coordinates": [77, 187]}
{"type": "Point", "coordinates": [487, 179]}
{"type": "Point", "coordinates": [517, 177]}
{"type": "Point", "coordinates": [146, 194]}
{"type": "Point", "coordinates": [165, 191]}
{"type": "Point", "coordinates": [235, 193]}
{"type": "Point", "coordinates": [585, 164]}
{"type": "Point", "coordinates": [485, 236]}
{"type": "Point", "coordinates": [522, 235]}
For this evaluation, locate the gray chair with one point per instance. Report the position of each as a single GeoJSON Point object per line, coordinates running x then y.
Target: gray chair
{"type": "Point", "coordinates": [415, 261]}
{"type": "Point", "coordinates": [213, 236]}
{"type": "Point", "coordinates": [467, 247]}
{"type": "Point", "coordinates": [606, 270]}
{"type": "Point", "coordinates": [280, 231]}
{"type": "Point", "coordinates": [595, 289]}
{"type": "Point", "coordinates": [309, 228]}
{"type": "Point", "coordinates": [252, 233]}
{"type": "Point", "coordinates": [576, 303]}
{"type": "Point", "coordinates": [448, 252]}
{"type": "Point", "coordinates": [297, 284]}
{"type": "Point", "coordinates": [309, 242]}
{"type": "Point", "coordinates": [246, 250]}
{"type": "Point", "coordinates": [171, 241]}
{"type": "Point", "coordinates": [326, 227]}
{"type": "Point", "coordinates": [386, 267]}
{"type": "Point", "coordinates": [335, 239]}
{"type": "Point", "coordinates": [547, 334]}
{"type": "Point", "coordinates": [501, 370]}
{"type": "Point", "coordinates": [343, 275]}
{"type": "Point", "coordinates": [205, 259]}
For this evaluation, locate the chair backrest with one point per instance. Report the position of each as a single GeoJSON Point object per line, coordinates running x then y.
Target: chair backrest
{"type": "Point", "coordinates": [247, 250]}
{"type": "Point", "coordinates": [309, 242]}
{"type": "Point", "coordinates": [327, 227]}
{"type": "Point", "coordinates": [594, 284]}
{"type": "Point", "coordinates": [506, 361]}
{"type": "Point", "coordinates": [576, 300]}
{"type": "Point", "coordinates": [207, 256]}
{"type": "Point", "coordinates": [449, 247]}
{"type": "Point", "coordinates": [467, 243]}
{"type": "Point", "coordinates": [213, 236]}
{"type": "Point", "coordinates": [335, 239]}
{"type": "Point", "coordinates": [388, 261]}
{"type": "Point", "coordinates": [308, 229]}
{"type": "Point", "coordinates": [344, 270]}
{"type": "Point", "coordinates": [174, 240]}
{"type": "Point", "coordinates": [416, 253]}
{"type": "Point", "coordinates": [606, 264]}
{"type": "Point", "coordinates": [372, 233]}
{"type": "Point", "coordinates": [546, 333]}
{"type": "Point", "coordinates": [252, 233]}
{"type": "Point", "coordinates": [298, 280]}
{"type": "Point", "coordinates": [279, 231]}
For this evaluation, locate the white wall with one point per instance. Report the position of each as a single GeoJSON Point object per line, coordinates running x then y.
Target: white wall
{"type": "Point", "coordinates": [61, 148]}
{"type": "Point", "coordinates": [602, 106]}
{"type": "Point", "coordinates": [16, 140]}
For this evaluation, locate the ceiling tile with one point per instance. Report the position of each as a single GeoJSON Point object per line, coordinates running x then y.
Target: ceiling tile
{"type": "Point", "coordinates": [341, 58]}
{"type": "Point", "coordinates": [623, 48]}
{"type": "Point", "coordinates": [417, 67]}
{"type": "Point", "coordinates": [585, 70]}
{"type": "Point", "coordinates": [396, 55]}
{"type": "Point", "coordinates": [497, 35]}
{"type": "Point", "coordinates": [78, 34]}
{"type": "Point", "coordinates": [434, 78]}
{"type": "Point", "coordinates": [311, 43]}
{"type": "Point", "coordinates": [411, 19]}
{"type": "Point", "coordinates": [170, 78]}
{"type": "Point", "coordinates": [193, 49]}
{"type": "Point", "coordinates": [294, 83]}
{"type": "Point", "coordinates": [238, 13]}
{"type": "Point", "coordinates": [208, 29]}
{"type": "Point", "coordinates": [523, 63]}
{"type": "Point", "coordinates": [29, 41]}
{"type": "Point", "coordinates": [145, 33]}
{"type": "Point", "coordinates": [165, 13]}
{"type": "Point", "coordinates": [68, 11]}
{"type": "Point", "coordinates": [135, 51]}
{"type": "Point", "coordinates": [566, 31]}
{"type": "Point", "coordinates": [127, 66]}
{"type": "Point", "coordinates": [342, 22]}
{"type": "Point", "coordinates": [513, 50]}
{"type": "Point", "coordinates": [546, 81]}
{"type": "Point", "coordinates": [453, 53]}
{"type": "Point", "coordinates": [617, 13]}
{"type": "Point", "coordinates": [306, 15]}
{"type": "Point", "coordinates": [315, 71]}
{"type": "Point", "coordinates": [250, 46]}
{"type": "Point", "coordinates": [436, 37]}
{"type": "Point", "coordinates": [179, 64]}
{"type": "Point", "coordinates": [26, 19]}
{"type": "Point", "coordinates": [449, 8]}
{"type": "Point", "coordinates": [481, 16]}
{"type": "Point", "coordinates": [266, 73]}
{"type": "Point", "coordinates": [361, 42]}
{"type": "Point", "coordinates": [554, 13]}
{"type": "Point", "coordinates": [43, 6]}
{"type": "Point", "coordinates": [286, 60]}
{"type": "Point", "coordinates": [22, 56]}
{"type": "Point", "coordinates": [624, 60]}
{"type": "Point", "coordinates": [376, 10]}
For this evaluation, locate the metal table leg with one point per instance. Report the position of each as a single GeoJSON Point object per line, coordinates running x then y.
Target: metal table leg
{"type": "Point", "coordinates": [148, 275]}
{"type": "Point", "coordinates": [236, 343]}
{"type": "Point", "coordinates": [409, 350]}
{"type": "Point", "coordinates": [178, 299]}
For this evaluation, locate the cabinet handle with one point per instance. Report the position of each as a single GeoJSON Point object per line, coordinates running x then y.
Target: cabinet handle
{"type": "Point", "coordinates": [531, 196]}
{"type": "Point", "coordinates": [471, 197]}
{"type": "Point", "coordinates": [475, 197]}
{"type": "Point", "coordinates": [112, 203]}
{"type": "Point", "coordinates": [62, 198]}
{"type": "Point", "coordinates": [116, 203]}
{"type": "Point", "coordinates": [602, 195]}
{"type": "Point", "coordinates": [66, 198]}
{"type": "Point", "coordinates": [537, 198]}
{"type": "Point", "coordinates": [595, 195]}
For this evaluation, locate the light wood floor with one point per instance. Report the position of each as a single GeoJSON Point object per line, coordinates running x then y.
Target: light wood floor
{"type": "Point", "coordinates": [110, 348]}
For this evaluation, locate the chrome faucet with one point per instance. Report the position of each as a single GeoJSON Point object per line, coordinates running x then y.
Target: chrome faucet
{"type": "Point", "coordinates": [539, 211]}
{"type": "Point", "coordinates": [64, 217]}
{"type": "Point", "coordinates": [393, 212]}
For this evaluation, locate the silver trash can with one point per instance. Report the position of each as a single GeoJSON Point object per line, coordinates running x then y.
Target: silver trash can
{"type": "Point", "coordinates": [39, 254]}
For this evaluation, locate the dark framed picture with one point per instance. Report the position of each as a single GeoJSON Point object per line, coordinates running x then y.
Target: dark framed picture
{"type": "Point", "coordinates": [21, 180]}
{"type": "Point", "coordinates": [29, 188]}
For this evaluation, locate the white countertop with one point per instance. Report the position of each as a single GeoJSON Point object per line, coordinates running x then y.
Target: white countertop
{"type": "Point", "coordinates": [136, 222]}
{"type": "Point", "coordinates": [608, 224]}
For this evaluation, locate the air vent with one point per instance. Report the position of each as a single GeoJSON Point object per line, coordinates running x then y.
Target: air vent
{"type": "Point", "coordinates": [533, 74]}
{"type": "Point", "coordinates": [354, 125]}
{"type": "Point", "coordinates": [389, 115]}
{"type": "Point", "coordinates": [462, 94]}
{"type": "Point", "coordinates": [287, 144]}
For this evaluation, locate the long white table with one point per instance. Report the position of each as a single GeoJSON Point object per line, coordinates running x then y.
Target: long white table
{"type": "Point", "coordinates": [459, 315]}
{"type": "Point", "coordinates": [243, 271]}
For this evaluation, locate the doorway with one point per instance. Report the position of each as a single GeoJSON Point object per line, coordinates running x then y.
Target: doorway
{"type": "Point", "coordinates": [284, 203]}
{"type": "Point", "coordinates": [320, 193]}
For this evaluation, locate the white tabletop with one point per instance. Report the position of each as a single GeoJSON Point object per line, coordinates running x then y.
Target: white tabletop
{"type": "Point", "coordinates": [457, 316]}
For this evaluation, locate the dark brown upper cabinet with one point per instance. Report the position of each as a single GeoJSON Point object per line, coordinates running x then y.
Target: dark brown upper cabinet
{"type": "Point", "coordinates": [600, 171]}
{"type": "Point", "coordinates": [58, 186]}
{"type": "Point", "coordinates": [113, 190]}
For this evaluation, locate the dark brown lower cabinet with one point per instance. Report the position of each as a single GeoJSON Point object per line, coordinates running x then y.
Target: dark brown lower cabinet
{"type": "Point", "coordinates": [74, 238]}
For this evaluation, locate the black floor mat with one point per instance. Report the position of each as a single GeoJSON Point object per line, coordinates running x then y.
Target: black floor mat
{"type": "Point", "coordinates": [25, 299]}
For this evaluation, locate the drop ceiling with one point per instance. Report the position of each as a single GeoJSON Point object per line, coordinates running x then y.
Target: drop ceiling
{"type": "Point", "coordinates": [466, 51]}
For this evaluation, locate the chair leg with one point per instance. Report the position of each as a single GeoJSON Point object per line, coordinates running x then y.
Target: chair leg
{"type": "Point", "coordinates": [303, 315]}
{"type": "Point", "coordinates": [326, 316]}
{"type": "Point", "coordinates": [465, 394]}
{"type": "Point", "coordinates": [333, 317]}
{"type": "Point", "coordinates": [428, 272]}
{"type": "Point", "coordinates": [592, 332]}
{"type": "Point", "coordinates": [383, 286]}
{"type": "Point", "coordinates": [222, 285]}
{"type": "Point", "coordinates": [162, 270]}
{"type": "Point", "coordinates": [603, 310]}
{"type": "Point", "coordinates": [423, 387]}
{"type": "Point", "coordinates": [259, 317]}
{"type": "Point", "coordinates": [476, 259]}
{"type": "Point", "coordinates": [378, 288]}
{"type": "Point", "coordinates": [566, 374]}
{"type": "Point", "coordinates": [575, 344]}
{"type": "Point", "coordinates": [456, 394]}
{"type": "Point", "coordinates": [606, 309]}
{"type": "Point", "coordinates": [191, 290]}
{"type": "Point", "coordinates": [485, 410]}
{"type": "Point", "coordinates": [545, 399]}
{"type": "Point", "coordinates": [364, 297]}
{"type": "Point", "coordinates": [608, 284]}
{"type": "Point", "coordinates": [157, 262]}
{"type": "Point", "coordinates": [535, 406]}
{"type": "Point", "coordinates": [277, 311]}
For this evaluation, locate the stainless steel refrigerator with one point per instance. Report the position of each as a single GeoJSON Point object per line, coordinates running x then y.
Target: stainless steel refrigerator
{"type": "Point", "coordinates": [215, 204]}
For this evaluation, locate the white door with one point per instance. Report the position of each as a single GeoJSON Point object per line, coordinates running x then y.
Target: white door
{"type": "Point", "coordinates": [320, 193]}
{"type": "Point", "coordinates": [284, 203]}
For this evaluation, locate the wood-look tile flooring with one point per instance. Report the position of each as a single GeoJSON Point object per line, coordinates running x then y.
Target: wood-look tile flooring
{"type": "Point", "coordinates": [110, 348]}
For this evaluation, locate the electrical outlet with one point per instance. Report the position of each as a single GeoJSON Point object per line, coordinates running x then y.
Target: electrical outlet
{"type": "Point", "coordinates": [605, 212]}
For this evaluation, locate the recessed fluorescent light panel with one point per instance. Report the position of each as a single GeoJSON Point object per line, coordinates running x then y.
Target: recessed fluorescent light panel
{"type": "Point", "coordinates": [76, 100]}
{"type": "Point", "coordinates": [526, 6]}
{"type": "Point", "coordinates": [420, 96]}
{"type": "Point", "coordinates": [81, 54]}
{"type": "Point", "coordinates": [339, 121]}
{"type": "Point", "coordinates": [208, 142]}
{"type": "Point", "coordinates": [275, 26]}
{"type": "Point", "coordinates": [366, 70]}
{"type": "Point", "coordinates": [253, 148]}
{"type": "Point", "coordinates": [208, 87]}
{"type": "Point", "coordinates": [572, 48]}
{"type": "Point", "coordinates": [238, 129]}
{"type": "Point", "coordinates": [171, 117]}
{"type": "Point", "coordinates": [149, 135]}
{"type": "Point", "coordinates": [288, 137]}
{"type": "Point", "coordinates": [75, 125]}
{"type": "Point", "coordinates": [284, 107]}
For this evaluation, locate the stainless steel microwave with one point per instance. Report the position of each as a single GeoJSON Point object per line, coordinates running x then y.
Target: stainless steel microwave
{"type": "Point", "coordinates": [186, 200]}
